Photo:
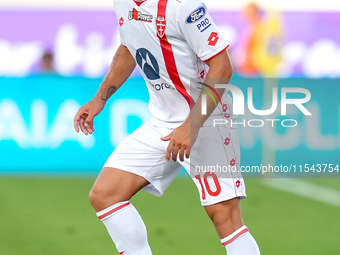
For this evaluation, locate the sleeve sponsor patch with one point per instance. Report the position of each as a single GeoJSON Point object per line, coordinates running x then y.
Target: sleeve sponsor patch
{"type": "Point", "coordinates": [203, 25]}
{"type": "Point", "coordinates": [196, 15]}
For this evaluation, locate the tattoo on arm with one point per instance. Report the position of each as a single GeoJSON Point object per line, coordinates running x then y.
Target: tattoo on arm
{"type": "Point", "coordinates": [109, 93]}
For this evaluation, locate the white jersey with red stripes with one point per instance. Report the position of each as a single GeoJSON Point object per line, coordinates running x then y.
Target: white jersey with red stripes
{"type": "Point", "coordinates": [170, 40]}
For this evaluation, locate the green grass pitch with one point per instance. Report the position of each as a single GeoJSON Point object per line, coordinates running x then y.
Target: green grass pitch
{"type": "Point", "coordinates": [52, 216]}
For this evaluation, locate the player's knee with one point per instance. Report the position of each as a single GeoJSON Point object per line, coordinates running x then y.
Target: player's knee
{"type": "Point", "coordinates": [101, 199]}
{"type": "Point", "coordinates": [220, 218]}
{"type": "Point", "coordinates": [224, 212]}
{"type": "Point", "coordinates": [98, 198]}
{"type": "Point", "coordinates": [220, 215]}
{"type": "Point", "coordinates": [94, 196]}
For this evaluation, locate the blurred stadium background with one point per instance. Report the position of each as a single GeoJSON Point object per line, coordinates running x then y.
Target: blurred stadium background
{"type": "Point", "coordinates": [53, 56]}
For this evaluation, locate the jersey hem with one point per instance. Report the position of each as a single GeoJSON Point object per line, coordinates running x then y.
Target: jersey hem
{"type": "Point", "coordinates": [210, 58]}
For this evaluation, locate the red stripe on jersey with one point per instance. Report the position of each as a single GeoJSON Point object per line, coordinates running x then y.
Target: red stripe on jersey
{"type": "Point", "coordinates": [113, 210]}
{"type": "Point", "coordinates": [235, 237]}
{"type": "Point", "coordinates": [217, 54]}
{"type": "Point", "coordinates": [169, 59]}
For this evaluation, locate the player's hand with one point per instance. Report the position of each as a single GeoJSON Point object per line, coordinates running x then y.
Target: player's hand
{"type": "Point", "coordinates": [181, 141]}
{"type": "Point", "coordinates": [85, 115]}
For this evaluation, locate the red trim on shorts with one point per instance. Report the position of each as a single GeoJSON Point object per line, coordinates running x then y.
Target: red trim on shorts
{"type": "Point", "coordinates": [169, 59]}
{"type": "Point", "coordinates": [113, 210]}
{"type": "Point", "coordinates": [235, 237]}
{"type": "Point", "coordinates": [217, 53]}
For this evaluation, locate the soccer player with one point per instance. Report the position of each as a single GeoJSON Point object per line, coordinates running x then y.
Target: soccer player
{"type": "Point", "coordinates": [171, 41]}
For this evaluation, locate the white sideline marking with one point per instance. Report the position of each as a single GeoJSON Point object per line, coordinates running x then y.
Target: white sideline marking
{"type": "Point", "coordinates": [305, 189]}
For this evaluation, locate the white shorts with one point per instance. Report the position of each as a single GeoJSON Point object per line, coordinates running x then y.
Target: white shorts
{"type": "Point", "coordinates": [216, 149]}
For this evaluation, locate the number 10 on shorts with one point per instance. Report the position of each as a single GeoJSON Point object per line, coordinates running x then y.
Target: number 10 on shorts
{"type": "Point", "coordinates": [206, 187]}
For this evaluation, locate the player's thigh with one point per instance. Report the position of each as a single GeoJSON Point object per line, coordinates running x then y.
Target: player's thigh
{"type": "Point", "coordinates": [113, 186]}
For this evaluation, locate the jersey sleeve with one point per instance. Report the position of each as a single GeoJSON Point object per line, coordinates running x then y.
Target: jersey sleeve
{"type": "Point", "coordinates": [122, 40]}
{"type": "Point", "coordinates": [199, 30]}
{"type": "Point", "coordinates": [117, 7]}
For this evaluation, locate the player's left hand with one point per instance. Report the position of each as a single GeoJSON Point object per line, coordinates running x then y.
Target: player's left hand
{"type": "Point", "coordinates": [181, 141]}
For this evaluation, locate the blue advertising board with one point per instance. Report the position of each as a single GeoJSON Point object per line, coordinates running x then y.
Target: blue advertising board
{"type": "Point", "coordinates": [37, 134]}
{"type": "Point", "coordinates": [36, 123]}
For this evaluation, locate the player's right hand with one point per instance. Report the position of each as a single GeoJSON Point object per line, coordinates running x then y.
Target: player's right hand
{"type": "Point", "coordinates": [85, 115]}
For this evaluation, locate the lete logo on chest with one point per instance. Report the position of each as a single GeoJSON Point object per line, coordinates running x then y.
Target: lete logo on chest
{"type": "Point", "coordinates": [196, 15]}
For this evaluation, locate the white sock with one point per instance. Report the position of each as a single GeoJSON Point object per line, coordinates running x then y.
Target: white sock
{"type": "Point", "coordinates": [241, 242]}
{"type": "Point", "coordinates": [126, 228]}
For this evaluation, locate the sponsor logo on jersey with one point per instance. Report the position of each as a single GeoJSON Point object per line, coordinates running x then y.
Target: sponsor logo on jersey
{"type": "Point", "coordinates": [136, 15]}
{"type": "Point", "coordinates": [121, 21]}
{"type": "Point", "coordinates": [162, 86]}
{"type": "Point", "coordinates": [196, 15]}
{"type": "Point", "coordinates": [227, 141]}
{"type": "Point", "coordinates": [238, 184]}
{"type": "Point", "coordinates": [161, 25]}
{"type": "Point", "coordinates": [224, 107]}
{"type": "Point", "coordinates": [147, 63]}
{"type": "Point", "coordinates": [202, 74]}
{"type": "Point", "coordinates": [203, 25]}
{"type": "Point", "coordinates": [213, 38]}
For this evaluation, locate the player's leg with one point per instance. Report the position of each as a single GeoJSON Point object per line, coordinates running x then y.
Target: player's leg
{"type": "Point", "coordinates": [110, 197]}
{"type": "Point", "coordinates": [113, 186]}
{"type": "Point", "coordinates": [221, 200]}
{"type": "Point", "coordinates": [142, 157]}
{"type": "Point", "coordinates": [228, 222]}
{"type": "Point", "coordinates": [226, 216]}
{"type": "Point", "coordinates": [214, 167]}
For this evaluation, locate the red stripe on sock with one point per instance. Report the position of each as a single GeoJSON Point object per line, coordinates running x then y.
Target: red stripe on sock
{"type": "Point", "coordinates": [113, 210]}
{"type": "Point", "coordinates": [235, 237]}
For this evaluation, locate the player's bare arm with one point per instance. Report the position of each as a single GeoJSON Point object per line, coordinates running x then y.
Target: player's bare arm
{"type": "Point", "coordinates": [183, 137]}
{"type": "Point", "coordinates": [120, 70]}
